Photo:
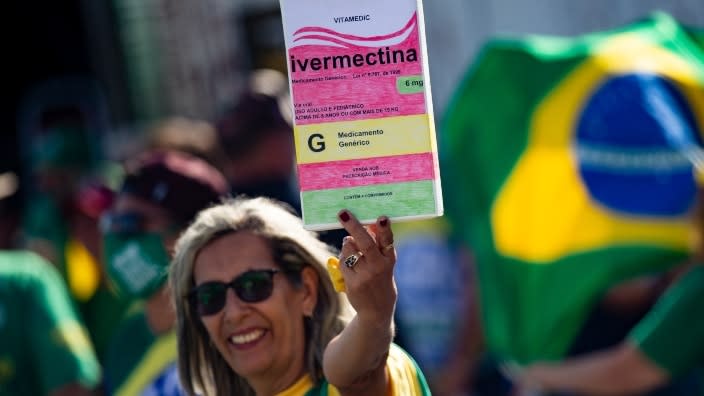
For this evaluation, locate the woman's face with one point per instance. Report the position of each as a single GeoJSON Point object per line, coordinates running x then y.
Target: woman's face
{"type": "Point", "coordinates": [262, 341]}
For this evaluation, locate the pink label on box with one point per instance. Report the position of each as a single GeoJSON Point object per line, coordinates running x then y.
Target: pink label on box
{"type": "Point", "coordinates": [342, 77]}
{"type": "Point", "coordinates": [378, 170]}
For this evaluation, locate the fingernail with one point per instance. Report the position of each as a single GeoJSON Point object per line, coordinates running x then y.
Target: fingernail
{"type": "Point", "coordinates": [344, 216]}
{"type": "Point", "coordinates": [384, 222]}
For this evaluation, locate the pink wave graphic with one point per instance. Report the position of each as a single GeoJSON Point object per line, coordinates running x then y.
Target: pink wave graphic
{"type": "Point", "coordinates": [326, 38]}
{"type": "Point", "coordinates": [315, 29]}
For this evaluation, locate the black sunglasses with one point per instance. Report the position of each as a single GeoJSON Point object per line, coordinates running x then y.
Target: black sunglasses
{"type": "Point", "coordinates": [252, 286]}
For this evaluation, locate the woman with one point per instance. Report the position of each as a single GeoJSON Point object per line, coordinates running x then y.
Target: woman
{"type": "Point", "coordinates": [283, 330]}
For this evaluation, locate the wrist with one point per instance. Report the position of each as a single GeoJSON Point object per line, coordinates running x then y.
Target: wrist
{"type": "Point", "coordinates": [375, 324]}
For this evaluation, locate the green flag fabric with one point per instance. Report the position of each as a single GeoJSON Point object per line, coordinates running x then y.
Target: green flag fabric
{"type": "Point", "coordinates": [567, 167]}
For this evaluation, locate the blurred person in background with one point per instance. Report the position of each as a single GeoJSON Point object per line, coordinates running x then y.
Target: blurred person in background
{"type": "Point", "coordinates": [470, 370]}
{"type": "Point", "coordinates": [196, 137]}
{"type": "Point", "coordinates": [548, 161]}
{"type": "Point", "coordinates": [257, 137]}
{"type": "Point", "coordinates": [435, 292]}
{"type": "Point", "coordinates": [44, 347]}
{"type": "Point", "coordinates": [65, 197]}
{"type": "Point", "coordinates": [161, 193]}
{"type": "Point", "coordinates": [666, 345]}
{"type": "Point", "coordinates": [61, 162]}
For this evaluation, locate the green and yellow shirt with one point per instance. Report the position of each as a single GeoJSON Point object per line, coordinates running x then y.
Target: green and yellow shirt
{"type": "Point", "coordinates": [140, 362]}
{"type": "Point", "coordinates": [406, 379]}
{"type": "Point", "coordinates": [43, 344]}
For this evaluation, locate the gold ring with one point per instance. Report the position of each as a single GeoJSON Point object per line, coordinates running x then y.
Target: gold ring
{"type": "Point", "coordinates": [351, 260]}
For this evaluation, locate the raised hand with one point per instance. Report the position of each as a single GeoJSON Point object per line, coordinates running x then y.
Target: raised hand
{"type": "Point", "coordinates": [367, 263]}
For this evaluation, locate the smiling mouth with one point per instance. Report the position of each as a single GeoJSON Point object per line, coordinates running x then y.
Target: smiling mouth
{"type": "Point", "coordinates": [243, 339]}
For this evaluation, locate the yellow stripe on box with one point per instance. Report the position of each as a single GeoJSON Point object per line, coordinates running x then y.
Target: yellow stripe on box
{"type": "Point", "coordinates": [335, 141]}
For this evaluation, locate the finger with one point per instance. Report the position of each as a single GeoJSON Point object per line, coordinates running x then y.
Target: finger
{"type": "Point", "coordinates": [348, 249]}
{"type": "Point", "coordinates": [362, 237]}
{"type": "Point", "coordinates": [384, 235]}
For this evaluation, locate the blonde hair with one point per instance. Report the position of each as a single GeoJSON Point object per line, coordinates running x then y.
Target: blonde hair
{"type": "Point", "coordinates": [201, 367]}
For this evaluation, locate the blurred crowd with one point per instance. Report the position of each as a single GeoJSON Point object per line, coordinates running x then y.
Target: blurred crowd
{"type": "Point", "coordinates": [87, 232]}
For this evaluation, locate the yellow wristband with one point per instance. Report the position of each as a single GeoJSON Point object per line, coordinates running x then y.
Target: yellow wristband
{"type": "Point", "coordinates": [338, 282]}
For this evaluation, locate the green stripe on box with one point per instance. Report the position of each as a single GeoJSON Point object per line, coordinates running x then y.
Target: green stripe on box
{"type": "Point", "coordinates": [369, 202]}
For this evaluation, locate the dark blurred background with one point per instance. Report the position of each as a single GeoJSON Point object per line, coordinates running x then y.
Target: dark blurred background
{"type": "Point", "coordinates": [175, 57]}
{"type": "Point", "coordinates": [140, 61]}
{"type": "Point", "coordinates": [130, 63]}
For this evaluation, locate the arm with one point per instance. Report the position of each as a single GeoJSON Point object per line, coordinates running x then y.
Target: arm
{"type": "Point", "coordinates": [667, 341]}
{"type": "Point", "coordinates": [618, 371]}
{"type": "Point", "coordinates": [355, 360]}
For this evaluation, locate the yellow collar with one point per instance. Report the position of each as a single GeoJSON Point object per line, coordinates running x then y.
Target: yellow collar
{"type": "Point", "coordinates": [299, 388]}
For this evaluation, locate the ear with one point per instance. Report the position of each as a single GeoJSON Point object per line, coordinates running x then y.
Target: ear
{"type": "Point", "coordinates": [309, 280]}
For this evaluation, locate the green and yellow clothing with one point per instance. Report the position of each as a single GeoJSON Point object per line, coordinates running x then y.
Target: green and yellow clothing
{"type": "Point", "coordinates": [406, 379]}
{"type": "Point", "coordinates": [98, 305]}
{"type": "Point", "coordinates": [672, 334]}
{"type": "Point", "coordinates": [43, 344]}
{"type": "Point", "coordinates": [138, 360]}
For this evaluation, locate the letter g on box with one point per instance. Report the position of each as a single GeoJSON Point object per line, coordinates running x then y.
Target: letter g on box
{"type": "Point", "coordinates": [316, 143]}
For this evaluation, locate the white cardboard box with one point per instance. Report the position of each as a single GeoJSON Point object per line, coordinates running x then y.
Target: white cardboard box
{"type": "Point", "coordinates": [363, 115]}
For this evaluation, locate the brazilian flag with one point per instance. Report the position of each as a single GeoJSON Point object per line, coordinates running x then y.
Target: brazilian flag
{"type": "Point", "coordinates": [568, 168]}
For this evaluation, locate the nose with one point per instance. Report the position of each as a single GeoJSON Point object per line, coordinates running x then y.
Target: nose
{"type": "Point", "coordinates": [234, 307]}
